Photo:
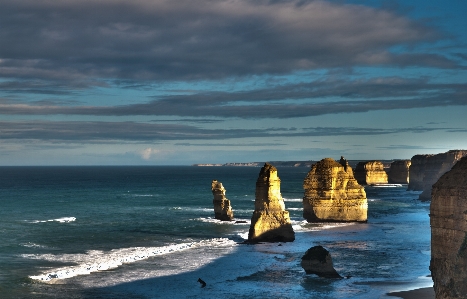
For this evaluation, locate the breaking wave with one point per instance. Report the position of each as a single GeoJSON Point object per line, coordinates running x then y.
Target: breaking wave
{"type": "Point", "coordinates": [97, 260]}
{"type": "Point", "coordinates": [61, 220]}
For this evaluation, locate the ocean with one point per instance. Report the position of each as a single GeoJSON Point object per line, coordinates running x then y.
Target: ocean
{"type": "Point", "coordinates": [150, 232]}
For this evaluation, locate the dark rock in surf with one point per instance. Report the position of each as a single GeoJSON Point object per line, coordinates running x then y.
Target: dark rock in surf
{"type": "Point", "coordinates": [317, 260]}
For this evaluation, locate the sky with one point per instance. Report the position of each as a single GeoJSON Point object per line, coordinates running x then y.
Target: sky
{"type": "Point", "coordinates": [163, 82]}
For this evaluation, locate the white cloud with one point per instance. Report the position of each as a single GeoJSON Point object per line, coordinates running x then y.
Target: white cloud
{"type": "Point", "coordinates": [148, 152]}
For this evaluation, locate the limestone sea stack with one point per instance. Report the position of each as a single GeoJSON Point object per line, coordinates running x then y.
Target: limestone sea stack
{"type": "Point", "coordinates": [317, 260]}
{"type": "Point", "coordinates": [270, 221]}
{"type": "Point", "coordinates": [399, 172]}
{"type": "Point", "coordinates": [370, 173]}
{"type": "Point", "coordinates": [332, 194]}
{"type": "Point", "coordinates": [425, 170]}
{"type": "Point", "coordinates": [222, 208]}
{"type": "Point", "coordinates": [448, 220]}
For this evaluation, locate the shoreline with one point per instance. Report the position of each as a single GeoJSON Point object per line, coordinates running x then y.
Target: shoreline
{"type": "Point", "coordinates": [422, 293]}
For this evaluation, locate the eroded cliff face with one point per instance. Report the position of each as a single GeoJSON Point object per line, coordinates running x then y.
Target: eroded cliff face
{"type": "Point", "coordinates": [370, 173]}
{"type": "Point", "coordinates": [425, 170]}
{"type": "Point", "coordinates": [270, 221]}
{"type": "Point", "coordinates": [222, 208]}
{"type": "Point", "coordinates": [332, 194]}
{"type": "Point", "coordinates": [399, 172]}
{"type": "Point", "coordinates": [448, 220]}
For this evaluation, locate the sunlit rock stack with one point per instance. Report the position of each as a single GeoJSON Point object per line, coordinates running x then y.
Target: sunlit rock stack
{"type": "Point", "coordinates": [222, 208]}
{"type": "Point", "coordinates": [317, 260]}
{"type": "Point", "coordinates": [425, 170]}
{"type": "Point", "coordinates": [270, 221]}
{"type": "Point", "coordinates": [332, 194]}
{"type": "Point", "coordinates": [370, 173]}
{"type": "Point", "coordinates": [448, 220]}
{"type": "Point", "coordinates": [399, 172]}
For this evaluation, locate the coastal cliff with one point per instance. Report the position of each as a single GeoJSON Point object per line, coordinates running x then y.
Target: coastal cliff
{"type": "Point", "coordinates": [370, 173]}
{"type": "Point", "coordinates": [222, 208]}
{"type": "Point", "coordinates": [332, 194]}
{"type": "Point", "coordinates": [425, 170]}
{"type": "Point", "coordinates": [399, 172]}
{"type": "Point", "coordinates": [270, 221]}
{"type": "Point", "coordinates": [448, 220]}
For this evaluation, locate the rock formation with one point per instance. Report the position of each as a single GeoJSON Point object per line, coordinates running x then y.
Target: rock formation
{"type": "Point", "coordinates": [332, 194]}
{"type": "Point", "coordinates": [370, 173]}
{"type": "Point", "coordinates": [399, 172]}
{"type": "Point", "coordinates": [425, 170]}
{"type": "Point", "coordinates": [270, 221]}
{"type": "Point", "coordinates": [222, 208]}
{"type": "Point", "coordinates": [317, 260]}
{"type": "Point", "coordinates": [448, 220]}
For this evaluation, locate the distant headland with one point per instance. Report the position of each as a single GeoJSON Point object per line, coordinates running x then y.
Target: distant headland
{"type": "Point", "coordinates": [308, 163]}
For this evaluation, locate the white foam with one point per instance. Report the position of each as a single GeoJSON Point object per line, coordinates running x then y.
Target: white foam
{"type": "Point", "coordinates": [217, 221]}
{"type": "Point", "coordinates": [97, 260]}
{"type": "Point", "coordinates": [387, 185]}
{"type": "Point", "coordinates": [61, 220]}
{"type": "Point", "coordinates": [294, 209]}
{"type": "Point", "coordinates": [33, 245]}
{"type": "Point", "coordinates": [293, 199]}
{"type": "Point", "coordinates": [305, 226]}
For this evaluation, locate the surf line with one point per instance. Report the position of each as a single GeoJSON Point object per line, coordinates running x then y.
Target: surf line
{"type": "Point", "coordinates": [113, 259]}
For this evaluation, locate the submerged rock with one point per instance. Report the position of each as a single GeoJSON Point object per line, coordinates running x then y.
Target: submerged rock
{"type": "Point", "coordinates": [399, 172]}
{"type": "Point", "coordinates": [332, 194]}
{"type": "Point", "coordinates": [425, 170]}
{"type": "Point", "coordinates": [370, 173]}
{"type": "Point", "coordinates": [270, 221]}
{"type": "Point", "coordinates": [222, 208]}
{"type": "Point", "coordinates": [448, 220]}
{"type": "Point", "coordinates": [317, 260]}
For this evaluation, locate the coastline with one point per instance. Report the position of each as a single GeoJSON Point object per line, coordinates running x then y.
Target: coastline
{"type": "Point", "coordinates": [251, 269]}
{"type": "Point", "coordinates": [423, 293]}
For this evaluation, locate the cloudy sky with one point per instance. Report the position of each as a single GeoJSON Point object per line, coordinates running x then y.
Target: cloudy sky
{"type": "Point", "coordinates": [163, 82]}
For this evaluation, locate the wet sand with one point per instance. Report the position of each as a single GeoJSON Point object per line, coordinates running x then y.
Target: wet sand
{"type": "Point", "coordinates": [423, 293]}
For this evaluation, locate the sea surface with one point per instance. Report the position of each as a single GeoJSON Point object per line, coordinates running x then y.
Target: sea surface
{"type": "Point", "coordinates": [149, 232]}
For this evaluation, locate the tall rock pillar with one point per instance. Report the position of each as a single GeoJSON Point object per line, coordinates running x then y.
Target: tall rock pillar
{"type": "Point", "coordinates": [270, 221]}
{"type": "Point", "coordinates": [222, 208]}
{"type": "Point", "coordinates": [448, 220]}
{"type": "Point", "coordinates": [332, 194]}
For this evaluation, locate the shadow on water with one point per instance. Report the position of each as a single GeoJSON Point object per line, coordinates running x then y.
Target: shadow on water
{"type": "Point", "coordinates": [249, 271]}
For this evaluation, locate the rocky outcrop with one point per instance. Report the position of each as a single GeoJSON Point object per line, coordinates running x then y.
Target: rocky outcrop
{"type": "Point", "coordinates": [317, 260]}
{"type": "Point", "coordinates": [448, 220]}
{"type": "Point", "coordinates": [399, 172]}
{"type": "Point", "coordinates": [270, 221]}
{"type": "Point", "coordinates": [425, 170]}
{"type": "Point", "coordinates": [370, 173]}
{"type": "Point", "coordinates": [332, 194]}
{"type": "Point", "coordinates": [222, 208]}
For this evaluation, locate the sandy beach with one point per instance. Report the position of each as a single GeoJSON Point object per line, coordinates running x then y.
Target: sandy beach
{"type": "Point", "coordinates": [423, 293]}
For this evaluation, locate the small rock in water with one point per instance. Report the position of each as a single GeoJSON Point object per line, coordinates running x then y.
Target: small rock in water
{"type": "Point", "coordinates": [317, 260]}
{"type": "Point", "coordinates": [202, 282]}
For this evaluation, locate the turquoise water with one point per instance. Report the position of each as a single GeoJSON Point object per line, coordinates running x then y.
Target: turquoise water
{"type": "Point", "coordinates": [96, 232]}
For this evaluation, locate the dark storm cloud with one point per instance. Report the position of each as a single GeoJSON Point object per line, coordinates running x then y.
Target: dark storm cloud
{"type": "Point", "coordinates": [142, 132]}
{"type": "Point", "coordinates": [283, 101]}
{"type": "Point", "coordinates": [84, 43]}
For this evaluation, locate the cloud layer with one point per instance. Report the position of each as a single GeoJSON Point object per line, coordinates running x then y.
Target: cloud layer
{"type": "Point", "coordinates": [73, 44]}
{"type": "Point", "coordinates": [282, 101]}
